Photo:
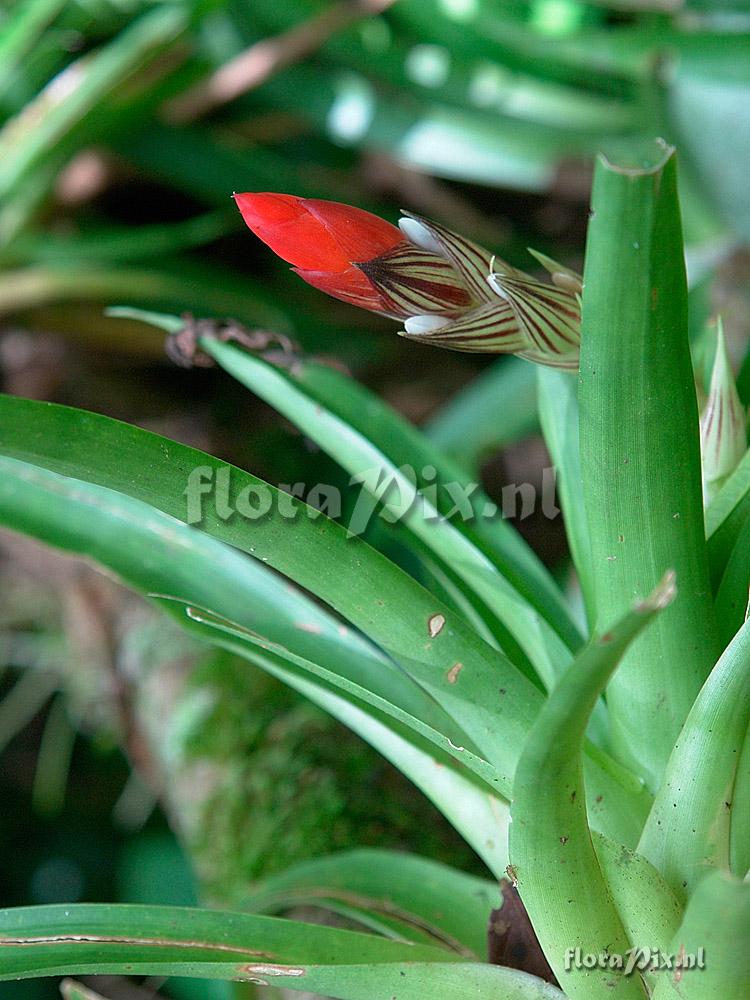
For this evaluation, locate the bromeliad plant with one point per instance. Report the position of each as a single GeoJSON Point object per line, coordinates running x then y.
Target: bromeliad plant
{"type": "Point", "coordinates": [599, 760]}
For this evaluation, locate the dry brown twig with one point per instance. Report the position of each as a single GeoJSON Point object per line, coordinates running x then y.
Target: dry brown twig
{"type": "Point", "coordinates": [251, 68]}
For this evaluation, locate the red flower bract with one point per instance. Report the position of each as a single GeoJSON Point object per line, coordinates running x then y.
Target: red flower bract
{"type": "Point", "coordinates": [355, 256]}
{"type": "Point", "coordinates": [317, 235]}
{"type": "Point", "coordinates": [325, 240]}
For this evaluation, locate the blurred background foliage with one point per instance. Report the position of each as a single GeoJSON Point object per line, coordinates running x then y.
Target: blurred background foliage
{"type": "Point", "coordinates": [136, 765]}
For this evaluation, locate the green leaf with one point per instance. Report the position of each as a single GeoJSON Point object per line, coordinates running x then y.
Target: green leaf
{"type": "Point", "coordinates": [717, 919]}
{"type": "Point", "coordinates": [391, 485]}
{"type": "Point", "coordinates": [404, 445]}
{"type": "Point", "coordinates": [726, 517]}
{"type": "Point", "coordinates": [558, 415]}
{"type": "Point", "coordinates": [732, 594]}
{"type": "Point", "coordinates": [640, 455]}
{"type": "Point", "coordinates": [402, 893]}
{"type": "Point", "coordinates": [688, 829]}
{"type": "Point", "coordinates": [100, 522]}
{"type": "Point", "coordinates": [492, 699]}
{"type": "Point", "coordinates": [414, 981]}
{"type": "Point", "coordinates": [90, 939]}
{"type": "Point", "coordinates": [39, 134]}
{"type": "Point", "coordinates": [409, 624]}
{"type": "Point", "coordinates": [650, 912]}
{"type": "Point", "coordinates": [283, 662]}
{"type": "Point", "coordinates": [476, 812]}
{"type": "Point", "coordinates": [559, 877]}
{"type": "Point", "coordinates": [158, 555]}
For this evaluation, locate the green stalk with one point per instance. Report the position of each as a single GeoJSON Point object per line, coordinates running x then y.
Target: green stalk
{"type": "Point", "coordinates": [640, 453]}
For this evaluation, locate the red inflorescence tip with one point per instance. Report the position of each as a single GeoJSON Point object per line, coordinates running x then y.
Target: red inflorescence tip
{"type": "Point", "coordinates": [323, 236]}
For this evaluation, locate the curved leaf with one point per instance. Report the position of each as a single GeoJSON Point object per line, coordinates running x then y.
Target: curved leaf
{"type": "Point", "coordinates": [406, 445]}
{"type": "Point", "coordinates": [257, 648]}
{"type": "Point", "coordinates": [86, 938]}
{"type": "Point", "coordinates": [559, 877]}
{"type": "Point", "coordinates": [157, 554]}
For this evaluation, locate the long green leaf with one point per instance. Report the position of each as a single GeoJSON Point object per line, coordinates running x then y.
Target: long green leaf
{"type": "Point", "coordinates": [372, 466]}
{"type": "Point", "coordinates": [639, 452]}
{"type": "Point", "coordinates": [90, 939]}
{"type": "Point", "coordinates": [280, 660]}
{"type": "Point", "coordinates": [364, 586]}
{"type": "Point", "coordinates": [494, 701]}
{"type": "Point", "coordinates": [249, 593]}
{"type": "Point", "coordinates": [473, 808]}
{"type": "Point", "coordinates": [45, 940]}
{"type": "Point", "coordinates": [554, 862]}
{"type": "Point", "coordinates": [688, 829]}
{"type": "Point", "coordinates": [404, 445]}
{"type": "Point", "coordinates": [409, 894]}
{"type": "Point", "coordinates": [156, 554]}
{"type": "Point", "coordinates": [418, 980]}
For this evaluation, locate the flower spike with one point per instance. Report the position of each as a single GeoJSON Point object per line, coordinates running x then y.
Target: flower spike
{"type": "Point", "coordinates": [447, 290]}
